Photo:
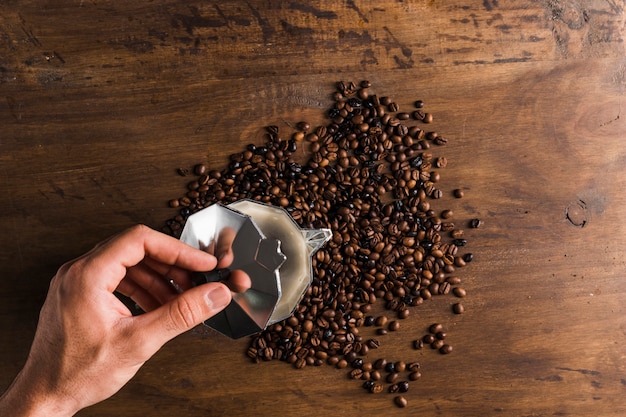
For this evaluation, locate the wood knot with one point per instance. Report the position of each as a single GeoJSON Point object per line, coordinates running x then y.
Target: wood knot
{"type": "Point", "coordinates": [577, 213]}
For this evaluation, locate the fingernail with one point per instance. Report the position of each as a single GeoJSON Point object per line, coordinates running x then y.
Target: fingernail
{"type": "Point", "coordinates": [218, 296]}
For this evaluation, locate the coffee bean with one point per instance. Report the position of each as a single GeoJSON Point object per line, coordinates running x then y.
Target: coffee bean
{"type": "Point", "coordinates": [436, 344]}
{"type": "Point", "coordinates": [373, 343]}
{"type": "Point", "coordinates": [304, 126]}
{"type": "Point", "coordinates": [376, 388]}
{"type": "Point", "coordinates": [381, 321]}
{"type": "Point", "coordinates": [400, 401]}
{"type": "Point", "coordinates": [445, 349]}
{"type": "Point", "coordinates": [475, 223]}
{"type": "Point", "coordinates": [355, 374]}
{"type": "Point", "coordinates": [459, 292]}
{"type": "Point", "coordinates": [404, 313]}
{"type": "Point", "coordinates": [458, 308]}
{"type": "Point", "coordinates": [435, 328]}
{"type": "Point", "coordinates": [456, 234]}
{"type": "Point", "coordinates": [415, 375]}
{"type": "Point", "coordinates": [392, 377]}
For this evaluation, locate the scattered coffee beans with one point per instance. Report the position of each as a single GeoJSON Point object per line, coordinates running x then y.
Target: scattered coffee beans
{"type": "Point", "coordinates": [371, 178]}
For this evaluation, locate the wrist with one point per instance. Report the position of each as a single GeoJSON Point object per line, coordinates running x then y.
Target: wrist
{"type": "Point", "coordinates": [26, 399]}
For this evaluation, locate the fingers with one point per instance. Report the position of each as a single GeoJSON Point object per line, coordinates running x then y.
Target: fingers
{"type": "Point", "coordinates": [111, 259]}
{"type": "Point", "coordinates": [146, 287]}
{"type": "Point", "coordinates": [238, 281]}
{"type": "Point", "coordinates": [139, 295]}
{"type": "Point", "coordinates": [181, 314]}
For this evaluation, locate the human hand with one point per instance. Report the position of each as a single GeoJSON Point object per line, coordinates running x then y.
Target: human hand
{"type": "Point", "coordinates": [88, 344]}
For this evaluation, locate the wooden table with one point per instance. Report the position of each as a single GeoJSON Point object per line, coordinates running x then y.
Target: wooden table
{"type": "Point", "coordinates": [102, 101]}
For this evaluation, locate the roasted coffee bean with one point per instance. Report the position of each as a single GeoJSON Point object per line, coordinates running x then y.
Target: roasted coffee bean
{"type": "Point", "coordinates": [400, 401]}
{"type": "Point", "coordinates": [300, 363]}
{"type": "Point", "coordinates": [373, 343]}
{"type": "Point", "coordinates": [453, 280]}
{"type": "Point", "coordinates": [380, 364]}
{"type": "Point", "coordinates": [459, 292]}
{"type": "Point", "coordinates": [415, 375]}
{"type": "Point", "coordinates": [458, 308]}
{"type": "Point", "coordinates": [445, 349]}
{"type": "Point", "coordinates": [376, 388]}
{"type": "Point", "coordinates": [418, 115]}
{"type": "Point", "coordinates": [444, 288]}
{"type": "Point", "coordinates": [475, 223]}
{"type": "Point", "coordinates": [403, 386]}
{"type": "Point", "coordinates": [392, 377]}
{"type": "Point", "coordinates": [436, 344]}
{"type": "Point", "coordinates": [435, 328]}
{"type": "Point", "coordinates": [355, 374]}
{"type": "Point", "coordinates": [457, 234]}
{"type": "Point", "coordinates": [304, 126]}
{"type": "Point", "coordinates": [381, 321]}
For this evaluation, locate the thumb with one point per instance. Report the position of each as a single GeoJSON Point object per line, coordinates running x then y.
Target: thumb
{"type": "Point", "coordinates": [184, 312]}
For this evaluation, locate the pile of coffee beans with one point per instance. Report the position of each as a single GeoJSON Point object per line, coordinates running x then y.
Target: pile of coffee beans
{"type": "Point", "coordinates": [370, 176]}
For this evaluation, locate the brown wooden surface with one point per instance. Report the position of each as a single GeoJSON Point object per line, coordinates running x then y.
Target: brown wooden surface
{"type": "Point", "coordinates": [101, 101]}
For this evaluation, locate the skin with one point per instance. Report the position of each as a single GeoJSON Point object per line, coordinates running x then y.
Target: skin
{"type": "Point", "coordinates": [87, 344]}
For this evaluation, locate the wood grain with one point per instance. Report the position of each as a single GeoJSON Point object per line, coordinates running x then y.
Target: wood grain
{"type": "Point", "coordinates": [101, 101]}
